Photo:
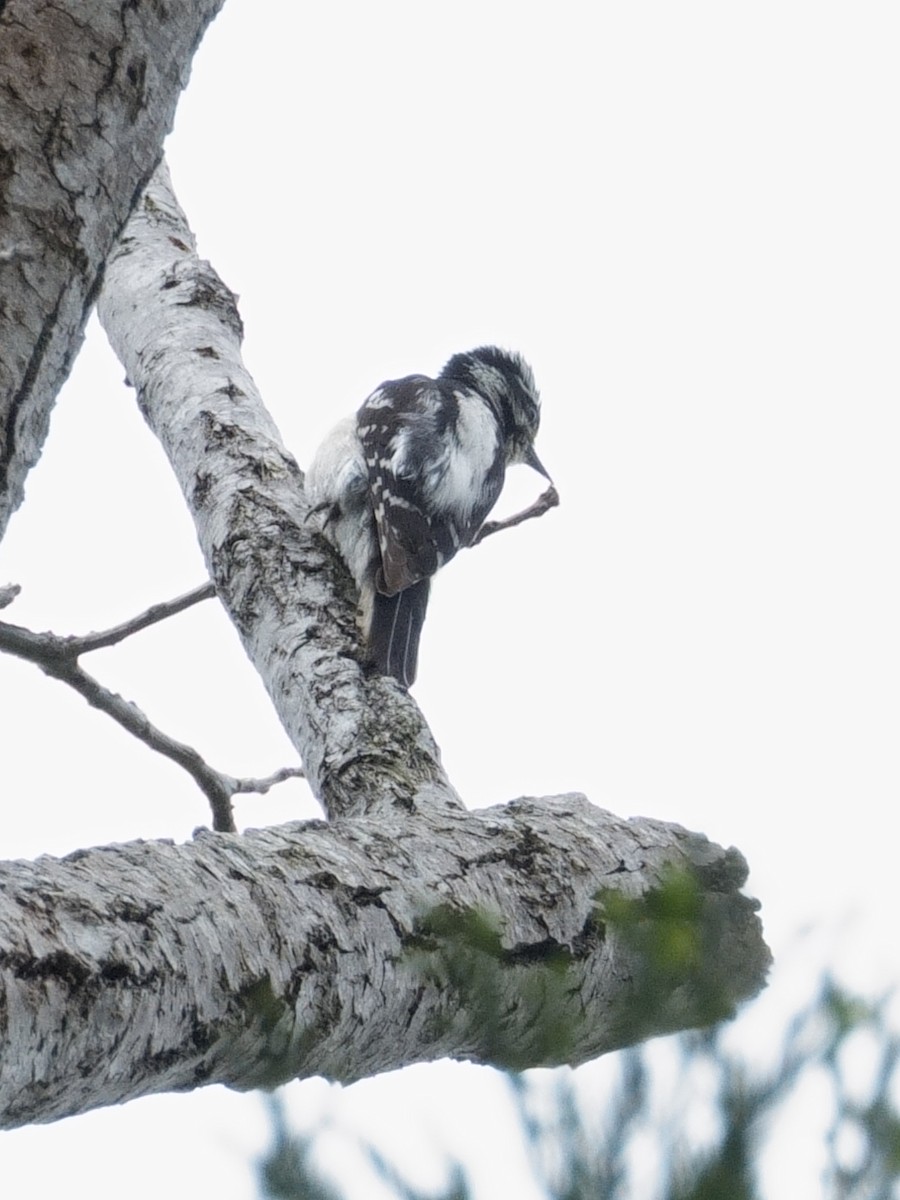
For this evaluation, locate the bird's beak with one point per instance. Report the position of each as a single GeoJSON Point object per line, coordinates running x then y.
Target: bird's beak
{"type": "Point", "coordinates": [531, 460]}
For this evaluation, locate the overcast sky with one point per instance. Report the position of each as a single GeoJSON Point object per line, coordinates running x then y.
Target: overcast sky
{"type": "Point", "coordinates": [685, 217]}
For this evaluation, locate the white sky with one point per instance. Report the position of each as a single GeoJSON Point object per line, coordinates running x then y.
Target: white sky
{"type": "Point", "coordinates": [685, 216]}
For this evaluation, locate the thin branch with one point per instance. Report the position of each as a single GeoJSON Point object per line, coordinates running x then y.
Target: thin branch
{"type": "Point", "coordinates": [8, 593]}
{"type": "Point", "coordinates": [58, 657]}
{"type": "Point", "coordinates": [544, 503]}
{"type": "Point", "coordinates": [261, 786]}
{"type": "Point", "coordinates": [213, 785]}
{"type": "Point", "coordinates": [155, 613]}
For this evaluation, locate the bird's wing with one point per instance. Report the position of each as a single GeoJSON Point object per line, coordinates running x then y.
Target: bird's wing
{"type": "Point", "coordinates": [398, 431]}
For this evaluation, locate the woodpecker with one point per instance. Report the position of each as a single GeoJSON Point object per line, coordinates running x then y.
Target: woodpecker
{"type": "Point", "coordinates": [409, 479]}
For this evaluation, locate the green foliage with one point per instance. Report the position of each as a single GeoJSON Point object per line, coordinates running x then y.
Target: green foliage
{"type": "Point", "coordinates": [671, 932]}
{"type": "Point", "coordinates": [287, 1172]}
{"type": "Point", "coordinates": [460, 950]}
{"type": "Point", "coordinates": [580, 1154]}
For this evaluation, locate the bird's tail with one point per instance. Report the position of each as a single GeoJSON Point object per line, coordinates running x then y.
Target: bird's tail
{"type": "Point", "coordinates": [395, 629]}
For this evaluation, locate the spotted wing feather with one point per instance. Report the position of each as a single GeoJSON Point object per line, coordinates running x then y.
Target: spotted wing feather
{"type": "Point", "coordinates": [395, 424]}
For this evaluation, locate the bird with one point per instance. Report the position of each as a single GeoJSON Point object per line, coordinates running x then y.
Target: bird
{"type": "Point", "coordinates": [408, 481]}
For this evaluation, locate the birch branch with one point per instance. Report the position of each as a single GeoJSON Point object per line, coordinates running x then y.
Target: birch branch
{"type": "Point", "coordinates": [88, 90]}
{"type": "Point", "coordinates": [547, 500]}
{"type": "Point", "coordinates": [347, 974]}
{"type": "Point", "coordinates": [174, 325]}
{"type": "Point", "coordinates": [152, 616]}
{"type": "Point", "coordinates": [58, 657]}
{"type": "Point", "coordinates": [316, 949]}
{"type": "Point", "coordinates": [8, 593]}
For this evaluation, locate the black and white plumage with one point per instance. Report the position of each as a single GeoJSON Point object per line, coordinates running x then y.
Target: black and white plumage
{"type": "Point", "coordinates": [409, 480]}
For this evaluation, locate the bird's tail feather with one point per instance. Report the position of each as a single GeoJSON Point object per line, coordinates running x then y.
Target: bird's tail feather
{"type": "Point", "coordinates": [395, 629]}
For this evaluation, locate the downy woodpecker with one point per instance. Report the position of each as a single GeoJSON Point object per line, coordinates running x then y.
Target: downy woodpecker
{"type": "Point", "coordinates": [409, 480]}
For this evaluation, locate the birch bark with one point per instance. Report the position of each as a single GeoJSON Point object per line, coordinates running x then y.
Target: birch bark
{"type": "Point", "coordinates": [87, 92]}
{"type": "Point", "coordinates": [310, 949]}
{"type": "Point", "coordinates": [403, 929]}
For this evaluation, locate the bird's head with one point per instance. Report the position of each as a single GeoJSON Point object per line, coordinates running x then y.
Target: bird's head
{"type": "Point", "coordinates": [506, 381]}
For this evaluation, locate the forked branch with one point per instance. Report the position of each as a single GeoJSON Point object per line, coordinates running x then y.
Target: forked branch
{"type": "Point", "coordinates": [58, 657]}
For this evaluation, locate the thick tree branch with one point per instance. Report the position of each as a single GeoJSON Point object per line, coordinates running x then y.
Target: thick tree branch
{"type": "Point", "coordinates": [356, 970]}
{"type": "Point", "coordinates": [174, 325]}
{"type": "Point", "coordinates": [58, 657]}
{"type": "Point", "coordinates": [414, 930]}
{"type": "Point", "coordinates": [346, 949]}
{"type": "Point", "coordinates": [87, 92]}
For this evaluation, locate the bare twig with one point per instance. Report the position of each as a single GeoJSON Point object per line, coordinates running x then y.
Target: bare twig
{"type": "Point", "coordinates": [544, 503]}
{"type": "Point", "coordinates": [8, 593]}
{"type": "Point", "coordinates": [261, 786]}
{"type": "Point", "coordinates": [156, 612]}
{"type": "Point", "coordinates": [58, 657]}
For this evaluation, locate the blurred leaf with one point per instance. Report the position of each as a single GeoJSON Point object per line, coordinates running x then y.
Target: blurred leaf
{"type": "Point", "coordinates": [578, 1154]}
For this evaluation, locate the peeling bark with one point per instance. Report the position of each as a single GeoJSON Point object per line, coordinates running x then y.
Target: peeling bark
{"type": "Point", "coordinates": [307, 949]}
{"type": "Point", "coordinates": [87, 94]}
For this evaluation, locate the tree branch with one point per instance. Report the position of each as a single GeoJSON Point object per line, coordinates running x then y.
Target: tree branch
{"type": "Point", "coordinates": [352, 976]}
{"type": "Point", "coordinates": [547, 500]}
{"type": "Point", "coordinates": [261, 786]}
{"type": "Point", "coordinates": [155, 613]}
{"type": "Point", "coordinates": [8, 593]}
{"type": "Point", "coordinates": [174, 326]}
{"type": "Point", "coordinates": [88, 90]}
{"type": "Point", "coordinates": [351, 948]}
{"type": "Point", "coordinates": [411, 932]}
{"type": "Point", "coordinates": [58, 657]}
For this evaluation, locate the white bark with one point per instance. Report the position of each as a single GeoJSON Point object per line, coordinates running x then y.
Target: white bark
{"type": "Point", "coordinates": [369, 755]}
{"type": "Point", "coordinates": [175, 327]}
{"type": "Point", "coordinates": [307, 949]}
{"type": "Point", "coordinates": [87, 92]}
{"type": "Point", "coordinates": [249, 960]}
